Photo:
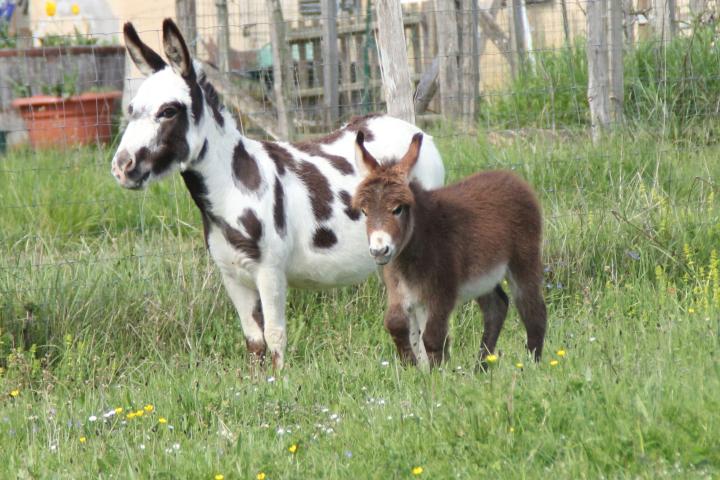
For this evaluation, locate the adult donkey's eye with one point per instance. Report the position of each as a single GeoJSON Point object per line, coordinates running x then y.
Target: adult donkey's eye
{"type": "Point", "coordinates": [398, 210]}
{"type": "Point", "coordinates": [168, 112]}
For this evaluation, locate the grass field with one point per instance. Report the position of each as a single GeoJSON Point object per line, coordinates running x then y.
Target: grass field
{"type": "Point", "coordinates": [109, 301]}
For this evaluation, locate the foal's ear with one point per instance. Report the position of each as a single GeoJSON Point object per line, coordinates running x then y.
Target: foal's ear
{"type": "Point", "coordinates": [365, 162]}
{"type": "Point", "coordinates": [144, 57]}
{"type": "Point", "coordinates": [176, 50]}
{"type": "Point", "coordinates": [410, 158]}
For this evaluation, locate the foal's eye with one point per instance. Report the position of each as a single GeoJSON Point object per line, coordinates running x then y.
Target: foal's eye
{"type": "Point", "coordinates": [168, 112]}
{"type": "Point", "coordinates": [398, 210]}
{"type": "Point", "coordinates": [364, 211]}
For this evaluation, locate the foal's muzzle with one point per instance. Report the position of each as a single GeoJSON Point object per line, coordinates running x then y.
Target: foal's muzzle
{"type": "Point", "coordinates": [381, 255]}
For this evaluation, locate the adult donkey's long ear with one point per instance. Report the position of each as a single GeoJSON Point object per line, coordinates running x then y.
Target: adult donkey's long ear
{"type": "Point", "coordinates": [144, 57]}
{"type": "Point", "coordinates": [176, 50]}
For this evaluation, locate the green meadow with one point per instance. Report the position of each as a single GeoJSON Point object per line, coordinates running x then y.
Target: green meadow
{"type": "Point", "coordinates": [121, 355]}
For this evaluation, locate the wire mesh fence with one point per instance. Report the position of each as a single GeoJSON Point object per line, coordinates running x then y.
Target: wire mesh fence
{"type": "Point", "coordinates": [61, 212]}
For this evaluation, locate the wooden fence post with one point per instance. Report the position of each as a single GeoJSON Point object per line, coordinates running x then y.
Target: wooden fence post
{"type": "Point", "coordinates": [186, 15]}
{"type": "Point", "coordinates": [492, 30]}
{"type": "Point", "coordinates": [597, 53]}
{"type": "Point", "coordinates": [672, 17]}
{"type": "Point", "coordinates": [395, 70]}
{"type": "Point", "coordinates": [517, 33]}
{"type": "Point", "coordinates": [663, 19]}
{"type": "Point", "coordinates": [448, 49]}
{"type": "Point", "coordinates": [427, 87]}
{"type": "Point", "coordinates": [470, 67]}
{"type": "Point", "coordinates": [566, 24]}
{"type": "Point", "coordinates": [330, 62]}
{"type": "Point", "coordinates": [696, 7]}
{"type": "Point", "coordinates": [20, 24]}
{"type": "Point", "coordinates": [485, 20]}
{"type": "Point", "coordinates": [629, 23]}
{"type": "Point", "coordinates": [282, 68]}
{"type": "Point", "coordinates": [617, 93]}
{"type": "Point", "coordinates": [223, 35]}
{"type": "Point", "coordinates": [527, 35]}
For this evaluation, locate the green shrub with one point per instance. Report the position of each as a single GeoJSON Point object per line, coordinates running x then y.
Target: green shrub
{"type": "Point", "coordinates": [673, 88]}
{"type": "Point", "coordinates": [550, 95]}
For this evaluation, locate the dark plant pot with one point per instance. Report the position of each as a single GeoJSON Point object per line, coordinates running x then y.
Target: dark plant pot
{"type": "Point", "coordinates": [78, 120]}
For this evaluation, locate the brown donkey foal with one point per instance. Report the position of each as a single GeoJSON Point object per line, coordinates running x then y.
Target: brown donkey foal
{"type": "Point", "coordinates": [450, 245]}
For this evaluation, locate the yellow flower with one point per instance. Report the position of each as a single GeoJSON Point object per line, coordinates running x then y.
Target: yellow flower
{"type": "Point", "coordinates": [50, 8]}
{"type": "Point", "coordinates": [130, 415]}
{"type": "Point", "coordinates": [492, 358]}
{"type": "Point", "coordinates": [691, 310]}
{"type": "Point", "coordinates": [149, 408]}
{"type": "Point", "coordinates": [219, 476]}
{"type": "Point", "coordinates": [512, 429]}
{"type": "Point", "coordinates": [75, 9]}
{"type": "Point", "coordinates": [260, 476]}
{"type": "Point", "coordinates": [561, 353]}
{"type": "Point", "coordinates": [519, 365]}
{"type": "Point", "coordinates": [293, 448]}
{"type": "Point", "coordinates": [83, 439]}
{"type": "Point", "coordinates": [554, 363]}
{"type": "Point", "coordinates": [162, 420]}
{"type": "Point", "coordinates": [15, 393]}
{"type": "Point", "coordinates": [139, 413]}
{"type": "Point", "coordinates": [419, 470]}
{"type": "Point", "coordinates": [118, 410]}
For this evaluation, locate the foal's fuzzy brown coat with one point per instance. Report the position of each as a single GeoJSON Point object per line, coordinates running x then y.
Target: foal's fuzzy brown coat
{"type": "Point", "coordinates": [453, 242]}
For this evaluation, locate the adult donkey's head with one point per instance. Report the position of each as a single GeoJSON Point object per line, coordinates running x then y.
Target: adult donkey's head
{"type": "Point", "coordinates": [167, 116]}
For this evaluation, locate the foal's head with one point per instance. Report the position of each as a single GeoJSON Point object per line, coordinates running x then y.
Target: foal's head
{"type": "Point", "coordinates": [386, 200]}
{"type": "Point", "coordinates": [166, 115]}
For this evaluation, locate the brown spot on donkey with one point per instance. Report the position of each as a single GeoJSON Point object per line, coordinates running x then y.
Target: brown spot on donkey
{"type": "Point", "coordinates": [446, 246]}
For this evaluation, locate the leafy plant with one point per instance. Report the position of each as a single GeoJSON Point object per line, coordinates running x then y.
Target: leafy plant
{"type": "Point", "coordinates": [20, 89]}
{"type": "Point", "coordinates": [6, 40]}
{"type": "Point", "coordinates": [76, 39]}
{"type": "Point", "coordinates": [63, 88]}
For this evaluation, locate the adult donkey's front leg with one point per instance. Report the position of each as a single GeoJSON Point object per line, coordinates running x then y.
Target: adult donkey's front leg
{"type": "Point", "coordinates": [272, 286]}
{"type": "Point", "coordinates": [247, 303]}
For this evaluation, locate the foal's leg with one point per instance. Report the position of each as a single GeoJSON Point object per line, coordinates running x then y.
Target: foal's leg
{"type": "Point", "coordinates": [527, 292]}
{"type": "Point", "coordinates": [418, 321]}
{"type": "Point", "coordinates": [272, 286]}
{"type": "Point", "coordinates": [494, 306]}
{"type": "Point", "coordinates": [247, 303]}
{"type": "Point", "coordinates": [397, 323]}
{"type": "Point", "coordinates": [435, 334]}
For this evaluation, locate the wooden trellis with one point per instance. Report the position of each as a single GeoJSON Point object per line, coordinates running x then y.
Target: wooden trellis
{"type": "Point", "coordinates": [359, 82]}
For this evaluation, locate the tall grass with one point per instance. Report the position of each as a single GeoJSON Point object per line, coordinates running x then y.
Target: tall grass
{"type": "Point", "coordinates": [553, 93]}
{"type": "Point", "coordinates": [671, 88]}
{"type": "Point", "coordinates": [108, 300]}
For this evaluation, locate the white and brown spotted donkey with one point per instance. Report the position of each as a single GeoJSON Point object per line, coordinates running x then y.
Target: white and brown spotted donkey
{"type": "Point", "coordinates": [450, 245]}
{"type": "Point", "coordinates": [275, 214]}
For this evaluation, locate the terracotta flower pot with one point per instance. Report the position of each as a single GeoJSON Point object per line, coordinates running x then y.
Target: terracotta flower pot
{"type": "Point", "coordinates": [77, 120]}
